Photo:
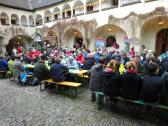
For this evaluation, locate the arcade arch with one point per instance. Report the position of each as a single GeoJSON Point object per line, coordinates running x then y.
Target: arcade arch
{"type": "Point", "coordinates": [73, 38]}
{"type": "Point", "coordinates": [154, 34]}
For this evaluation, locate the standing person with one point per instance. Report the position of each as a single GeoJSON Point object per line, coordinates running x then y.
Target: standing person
{"type": "Point", "coordinates": [18, 68]}
{"type": "Point", "coordinates": [14, 51]}
{"type": "Point", "coordinates": [10, 64]}
{"type": "Point", "coordinates": [96, 79]}
{"type": "Point", "coordinates": [151, 84]}
{"type": "Point", "coordinates": [132, 52]}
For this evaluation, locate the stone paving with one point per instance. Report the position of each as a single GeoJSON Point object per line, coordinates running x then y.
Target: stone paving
{"type": "Point", "coordinates": [27, 106]}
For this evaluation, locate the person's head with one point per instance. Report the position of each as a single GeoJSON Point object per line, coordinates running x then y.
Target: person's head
{"type": "Point", "coordinates": [113, 65]}
{"type": "Point", "coordinates": [70, 58]}
{"type": "Point", "coordinates": [137, 59]}
{"type": "Point", "coordinates": [57, 60]}
{"type": "Point", "coordinates": [43, 58]}
{"type": "Point", "coordinates": [131, 66]}
{"type": "Point", "coordinates": [12, 58]}
{"type": "Point", "coordinates": [153, 67]}
{"type": "Point", "coordinates": [150, 57]}
{"type": "Point", "coordinates": [101, 60]}
{"type": "Point", "coordinates": [167, 54]}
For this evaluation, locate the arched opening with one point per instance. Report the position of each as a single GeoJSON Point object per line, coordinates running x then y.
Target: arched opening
{"type": "Point", "coordinates": [57, 13]}
{"type": "Point", "coordinates": [31, 21]}
{"type": "Point", "coordinates": [162, 41]}
{"type": "Point", "coordinates": [39, 20]}
{"type": "Point", "coordinates": [14, 19]}
{"type": "Point", "coordinates": [92, 6]}
{"type": "Point", "coordinates": [73, 39]}
{"type": "Point", "coordinates": [110, 36]}
{"type": "Point", "coordinates": [1, 42]}
{"type": "Point", "coordinates": [51, 38]}
{"type": "Point", "coordinates": [107, 4]}
{"type": "Point", "coordinates": [4, 19]}
{"type": "Point", "coordinates": [20, 40]}
{"type": "Point", "coordinates": [78, 8]}
{"type": "Point", "coordinates": [24, 21]}
{"type": "Point", "coordinates": [154, 34]}
{"type": "Point", "coordinates": [48, 16]}
{"type": "Point", "coordinates": [66, 11]}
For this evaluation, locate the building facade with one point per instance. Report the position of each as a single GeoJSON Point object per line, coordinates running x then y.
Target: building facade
{"type": "Point", "coordinates": [92, 22]}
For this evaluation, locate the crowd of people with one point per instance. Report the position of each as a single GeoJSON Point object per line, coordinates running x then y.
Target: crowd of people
{"type": "Point", "coordinates": [132, 76]}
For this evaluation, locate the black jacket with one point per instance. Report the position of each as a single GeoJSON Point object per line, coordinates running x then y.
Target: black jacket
{"type": "Point", "coordinates": [88, 63]}
{"type": "Point", "coordinates": [164, 90]}
{"type": "Point", "coordinates": [110, 82]}
{"type": "Point", "coordinates": [131, 84]}
{"type": "Point", "coordinates": [96, 78]}
{"type": "Point", "coordinates": [41, 71]}
{"type": "Point", "coordinates": [151, 88]}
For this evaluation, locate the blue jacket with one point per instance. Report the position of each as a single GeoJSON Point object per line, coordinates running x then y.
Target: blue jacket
{"type": "Point", "coordinates": [58, 72]}
{"type": "Point", "coordinates": [3, 64]}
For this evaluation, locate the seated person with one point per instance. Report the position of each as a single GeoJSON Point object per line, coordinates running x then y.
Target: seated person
{"type": "Point", "coordinates": [96, 79]}
{"type": "Point", "coordinates": [72, 63]}
{"type": "Point", "coordinates": [110, 81]}
{"type": "Point", "coordinates": [88, 62]}
{"type": "Point", "coordinates": [18, 68]}
{"type": "Point", "coordinates": [140, 67]}
{"type": "Point", "coordinates": [80, 58]}
{"type": "Point", "coordinates": [164, 90]}
{"type": "Point", "coordinates": [10, 64]}
{"type": "Point", "coordinates": [58, 71]}
{"type": "Point", "coordinates": [131, 83]}
{"type": "Point", "coordinates": [41, 71]}
{"type": "Point", "coordinates": [151, 84]}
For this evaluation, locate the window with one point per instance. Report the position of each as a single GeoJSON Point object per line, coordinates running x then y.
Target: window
{"type": "Point", "coordinates": [90, 8]}
{"type": "Point", "coordinates": [3, 21]}
{"type": "Point", "coordinates": [56, 16]}
{"type": "Point", "coordinates": [13, 21]}
{"type": "Point", "coordinates": [63, 14]}
{"type": "Point", "coordinates": [68, 13]}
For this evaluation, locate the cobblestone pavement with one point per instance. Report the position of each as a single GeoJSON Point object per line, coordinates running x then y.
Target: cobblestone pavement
{"type": "Point", "coordinates": [27, 106]}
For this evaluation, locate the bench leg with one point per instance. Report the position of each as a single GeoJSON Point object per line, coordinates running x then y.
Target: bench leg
{"type": "Point", "coordinates": [100, 100]}
{"type": "Point", "coordinates": [76, 91]}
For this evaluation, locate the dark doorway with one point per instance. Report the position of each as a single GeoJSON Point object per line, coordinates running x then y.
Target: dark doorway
{"type": "Point", "coordinates": [162, 41]}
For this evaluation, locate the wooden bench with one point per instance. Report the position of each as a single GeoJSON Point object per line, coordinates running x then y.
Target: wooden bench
{"type": "Point", "coordinates": [63, 83]}
{"type": "Point", "coordinates": [141, 102]}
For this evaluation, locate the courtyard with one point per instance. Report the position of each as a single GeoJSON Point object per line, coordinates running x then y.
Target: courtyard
{"type": "Point", "coordinates": [27, 106]}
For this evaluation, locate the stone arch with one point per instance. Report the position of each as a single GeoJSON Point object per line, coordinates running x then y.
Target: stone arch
{"type": "Point", "coordinates": [56, 13]}
{"type": "Point", "coordinates": [14, 19]}
{"type": "Point", "coordinates": [24, 21]}
{"type": "Point", "coordinates": [4, 19]}
{"type": "Point", "coordinates": [47, 16]}
{"type": "Point", "coordinates": [69, 37]}
{"type": "Point", "coordinates": [105, 31]}
{"type": "Point", "coordinates": [39, 20]}
{"type": "Point", "coordinates": [19, 40]}
{"type": "Point", "coordinates": [150, 29]}
{"type": "Point", "coordinates": [66, 11]}
{"type": "Point", "coordinates": [51, 37]}
{"type": "Point", "coordinates": [78, 7]}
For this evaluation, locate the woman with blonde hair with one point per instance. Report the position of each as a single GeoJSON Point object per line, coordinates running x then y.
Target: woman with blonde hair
{"type": "Point", "coordinates": [131, 83]}
{"type": "Point", "coordinates": [110, 80]}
